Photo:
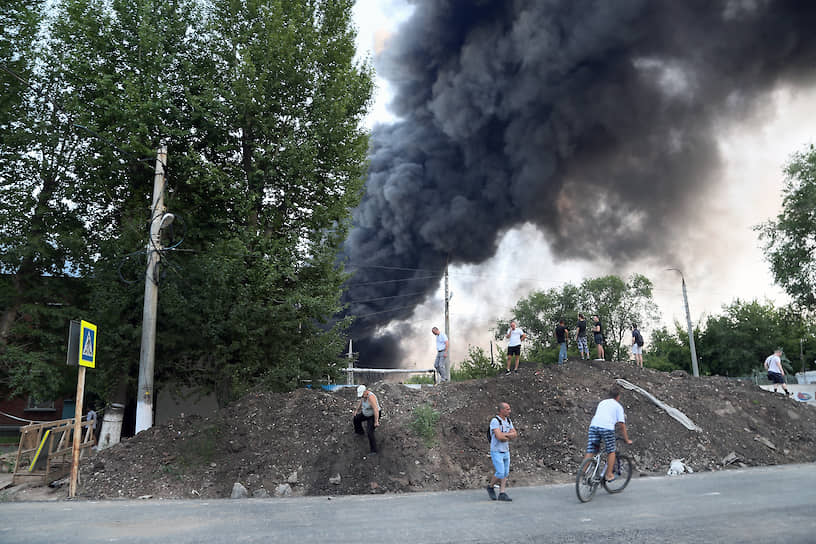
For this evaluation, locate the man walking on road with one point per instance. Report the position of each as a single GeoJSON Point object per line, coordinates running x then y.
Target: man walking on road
{"type": "Point", "coordinates": [516, 335]}
{"type": "Point", "coordinates": [501, 433]}
{"type": "Point", "coordinates": [581, 337]}
{"type": "Point", "coordinates": [442, 362]}
{"type": "Point", "coordinates": [561, 333]}
{"type": "Point", "coordinates": [776, 374]}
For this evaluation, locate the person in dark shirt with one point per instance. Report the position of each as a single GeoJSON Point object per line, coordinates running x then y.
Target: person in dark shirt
{"type": "Point", "coordinates": [581, 337]}
{"type": "Point", "coordinates": [597, 331]}
{"type": "Point", "coordinates": [561, 333]}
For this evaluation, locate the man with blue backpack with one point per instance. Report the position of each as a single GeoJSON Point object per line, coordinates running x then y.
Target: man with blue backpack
{"type": "Point", "coordinates": [501, 433]}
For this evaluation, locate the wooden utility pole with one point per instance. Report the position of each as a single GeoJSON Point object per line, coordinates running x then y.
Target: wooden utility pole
{"type": "Point", "coordinates": [80, 394]}
{"type": "Point", "coordinates": [144, 401]}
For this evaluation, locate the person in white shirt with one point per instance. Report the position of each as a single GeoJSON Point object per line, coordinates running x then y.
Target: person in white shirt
{"type": "Point", "coordinates": [776, 374]}
{"type": "Point", "coordinates": [442, 362]}
{"type": "Point", "coordinates": [608, 415]}
{"type": "Point", "coordinates": [516, 335]}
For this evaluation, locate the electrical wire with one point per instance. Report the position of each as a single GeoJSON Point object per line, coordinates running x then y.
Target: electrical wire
{"type": "Point", "coordinates": [352, 285]}
{"type": "Point", "coordinates": [384, 311]}
{"type": "Point", "coordinates": [418, 293]}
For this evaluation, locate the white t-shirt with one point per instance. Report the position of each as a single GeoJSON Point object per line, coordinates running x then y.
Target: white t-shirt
{"type": "Point", "coordinates": [441, 338]}
{"type": "Point", "coordinates": [774, 364]}
{"type": "Point", "coordinates": [608, 413]}
{"type": "Point", "coordinates": [515, 337]}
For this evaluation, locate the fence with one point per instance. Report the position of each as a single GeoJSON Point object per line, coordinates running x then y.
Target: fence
{"type": "Point", "coordinates": [45, 450]}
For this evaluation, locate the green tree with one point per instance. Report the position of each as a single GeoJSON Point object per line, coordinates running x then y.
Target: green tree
{"type": "Point", "coordinates": [618, 303]}
{"type": "Point", "coordinates": [736, 342]}
{"type": "Point", "coordinates": [789, 241]}
{"type": "Point", "coordinates": [41, 241]}
{"type": "Point", "coordinates": [261, 105]}
{"type": "Point", "coordinates": [668, 350]}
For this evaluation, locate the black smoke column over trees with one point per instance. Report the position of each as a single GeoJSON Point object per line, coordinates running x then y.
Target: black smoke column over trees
{"type": "Point", "coordinates": [593, 120]}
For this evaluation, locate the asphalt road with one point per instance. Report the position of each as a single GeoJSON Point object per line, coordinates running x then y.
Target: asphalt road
{"type": "Point", "coordinates": [771, 504]}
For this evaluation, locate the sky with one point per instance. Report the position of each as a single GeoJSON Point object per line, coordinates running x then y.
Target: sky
{"type": "Point", "coordinates": [727, 259]}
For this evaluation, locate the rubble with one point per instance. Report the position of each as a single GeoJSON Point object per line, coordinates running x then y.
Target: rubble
{"type": "Point", "coordinates": [305, 438]}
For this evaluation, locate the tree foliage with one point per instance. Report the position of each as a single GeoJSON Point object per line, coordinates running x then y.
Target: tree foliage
{"type": "Point", "coordinates": [260, 104]}
{"type": "Point", "coordinates": [736, 341]}
{"type": "Point", "coordinates": [617, 302]}
{"type": "Point", "coordinates": [789, 241]}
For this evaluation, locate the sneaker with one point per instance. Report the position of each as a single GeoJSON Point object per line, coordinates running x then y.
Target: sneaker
{"type": "Point", "coordinates": [491, 493]}
{"type": "Point", "coordinates": [507, 373]}
{"type": "Point", "coordinates": [515, 371]}
{"type": "Point", "coordinates": [504, 497]}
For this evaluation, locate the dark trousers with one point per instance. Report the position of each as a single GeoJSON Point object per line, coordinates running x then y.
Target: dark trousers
{"type": "Point", "coordinates": [358, 428]}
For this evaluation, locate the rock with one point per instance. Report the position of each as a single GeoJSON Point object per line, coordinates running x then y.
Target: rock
{"type": "Point", "coordinates": [374, 486]}
{"type": "Point", "coordinates": [283, 490]}
{"type": "Point", "coordinates": [678, 374]}
{"type": "Point", "coordinates": [260, 493]}
{"type": "Point", "coordinates": [145, 497]}
{"type": "Point", "coordinates": [765, 442]}
{"type": "Point", "coordinates": [335, 479]}
{"type": "Point", "coordinates": [239, 491]}
{"type": "Point", "coordinates": [730, 458]}
{"type": "Point", "coordinates": [293, 478]}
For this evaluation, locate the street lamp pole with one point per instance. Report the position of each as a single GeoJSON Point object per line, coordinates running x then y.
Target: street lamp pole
{"type": "Point", "coordinates": [694, 366]}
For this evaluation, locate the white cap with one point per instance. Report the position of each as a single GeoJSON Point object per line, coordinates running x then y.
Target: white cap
{"type": "Point", "coordinates": [360, 390]}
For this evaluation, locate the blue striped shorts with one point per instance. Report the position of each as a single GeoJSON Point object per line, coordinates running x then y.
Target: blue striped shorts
{"type": "Point", "coordinates": [598, 435]}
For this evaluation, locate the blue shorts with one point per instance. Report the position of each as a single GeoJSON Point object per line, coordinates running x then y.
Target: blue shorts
{"type": "Point", "coordinates": [501, 462]}
{"type": "Point", "coordinates": [598, 435]}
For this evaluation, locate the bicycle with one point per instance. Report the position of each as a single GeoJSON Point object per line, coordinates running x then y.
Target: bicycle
{"type": "Point", "coordinates": [592, 472]}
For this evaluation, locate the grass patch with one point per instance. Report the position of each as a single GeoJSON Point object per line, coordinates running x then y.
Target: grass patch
{"type": "Point", "coordinates": [424, 423]}
{"type": "Point", "coordinates": [425, 380]}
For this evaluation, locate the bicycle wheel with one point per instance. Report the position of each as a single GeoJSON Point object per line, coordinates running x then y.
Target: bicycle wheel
{"type": "Point", "coordinates": [623, 473]}
{"type": "Point", "coordinates": [585, 482]}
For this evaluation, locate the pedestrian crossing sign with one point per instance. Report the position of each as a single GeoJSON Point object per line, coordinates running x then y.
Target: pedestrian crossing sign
{"type": "Point", "coordinates": [87, 344]}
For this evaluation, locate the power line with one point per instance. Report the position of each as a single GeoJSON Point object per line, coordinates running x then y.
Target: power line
{"type": "Point", "coordinates": [351, 285]}
{"type": "Point", "coordinates": [392, 267]}
{"type": "Point", "coordinates": [384, 311]}
{"type": "Point", "coordinates": [385, 298]}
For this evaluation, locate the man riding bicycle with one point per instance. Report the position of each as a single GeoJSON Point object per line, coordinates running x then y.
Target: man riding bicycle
{"type": "Point", "coordinates": [608, 415]}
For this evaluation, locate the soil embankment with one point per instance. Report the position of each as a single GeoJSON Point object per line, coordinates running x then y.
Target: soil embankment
{"type": "Point", "coordinates": [304, 438]}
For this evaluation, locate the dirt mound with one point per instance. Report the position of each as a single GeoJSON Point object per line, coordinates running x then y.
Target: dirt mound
{"type": "Point", "coordinates": [304, 439]}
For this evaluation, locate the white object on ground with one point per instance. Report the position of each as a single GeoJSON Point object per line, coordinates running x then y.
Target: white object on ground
{"type": "Point", "coordinates": [672, 411]}
{"type": "Point", "coordinates": [678, 467]}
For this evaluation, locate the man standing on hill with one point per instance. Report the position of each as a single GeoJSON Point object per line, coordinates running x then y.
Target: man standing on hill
{"type": "Point", "coordinates": [581, 337]}
{"type": "Point", "coordinates": [501, 433]}
{"type": "Point", "coordinates": [442, 362]}
{"type": "Point", "coordinates": [561, 333]}
{"type": "Point", "coordinates": [516, 335]}
{"type": "Point", "coordinates": [776, 374]}
{"type": "Point", "coordinates": [597, 332]}
{"type": "Point", "coordinates": [637, 345]}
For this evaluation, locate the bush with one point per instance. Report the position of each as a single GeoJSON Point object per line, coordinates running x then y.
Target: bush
{"type": "Point", "coordinates": [477, 365]}
{"type": "Point", "coordinates": [424, 423]}
{"type": "Point", "coordinates": [423, 379]}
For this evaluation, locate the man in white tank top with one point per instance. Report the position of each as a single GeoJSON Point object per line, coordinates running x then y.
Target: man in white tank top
{"type": "Point", "coordinates": [776, 374]}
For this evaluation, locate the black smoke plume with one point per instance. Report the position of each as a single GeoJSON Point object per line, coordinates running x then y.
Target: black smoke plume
{"type": "Point", "coordinates": [595, 121]}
